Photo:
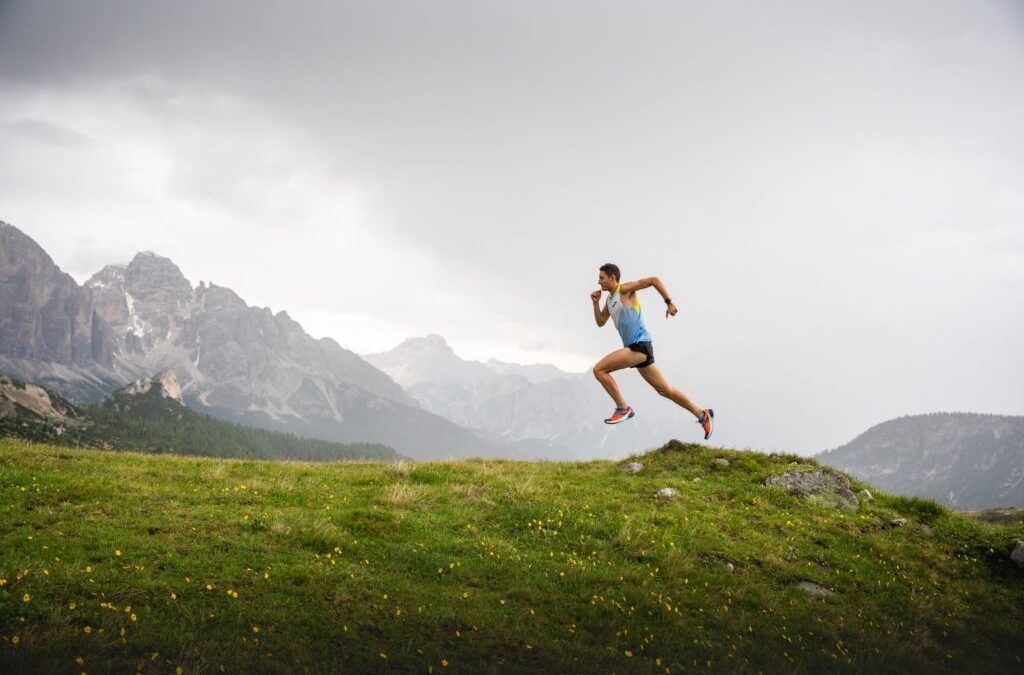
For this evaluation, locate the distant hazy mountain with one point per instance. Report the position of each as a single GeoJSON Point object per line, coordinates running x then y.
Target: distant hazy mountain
{"type": "Point", "coordinates": [241, 363]}
{"type": "Point", "coordinates": [540, 409]}
{"type": "Point", "coordinates": [148, 416]}
{"type": "Point", "coordinates": [964, 460]}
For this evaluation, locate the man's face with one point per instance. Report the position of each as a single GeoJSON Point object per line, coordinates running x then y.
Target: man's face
{"type": "Point", "coordinates": [606, 282]}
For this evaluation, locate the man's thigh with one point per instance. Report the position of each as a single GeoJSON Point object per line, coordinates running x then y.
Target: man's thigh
{"type": "Point", "coordinates": [619, 359]}
{"type": "Point", "coordinates": [655, 377]}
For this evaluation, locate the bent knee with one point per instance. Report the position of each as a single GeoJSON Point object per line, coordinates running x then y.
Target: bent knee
{"type": "Point", "coordinates": [597, 372]}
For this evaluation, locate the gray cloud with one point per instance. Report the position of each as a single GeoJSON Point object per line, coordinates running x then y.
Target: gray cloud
{"type": "Point", "coordinates": [45, 132]}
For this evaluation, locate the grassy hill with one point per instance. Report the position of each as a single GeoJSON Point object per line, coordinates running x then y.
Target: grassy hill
{"type": "Point", "coordinates": [115, 562]}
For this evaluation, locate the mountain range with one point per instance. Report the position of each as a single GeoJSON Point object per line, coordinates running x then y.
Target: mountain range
{"type": "Point", "coordinates": [240, 363]}
{"type": "Point", "coordinates": [964, 460]}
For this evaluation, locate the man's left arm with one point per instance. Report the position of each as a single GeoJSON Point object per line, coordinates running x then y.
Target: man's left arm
{"type": "Point", "coordinates": [647, 282]}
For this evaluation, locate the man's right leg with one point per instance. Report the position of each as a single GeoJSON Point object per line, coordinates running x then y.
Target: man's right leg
{"type": "Point", "coordinates": [617, 360]}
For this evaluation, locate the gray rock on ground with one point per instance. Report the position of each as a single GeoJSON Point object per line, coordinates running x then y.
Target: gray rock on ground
{"type": "Point", "coordinates": [815, 589]}
{"type": "Point", "coordinates": [721, 461]}
{"type": "Point", "coordinates": [666, 493]}
{"type": "Point", "coordinates": [634, 467]}
{"type": "Point", "coordinates": [1018, 554]}
{"type": "Point", "coordinates": [823, 486]}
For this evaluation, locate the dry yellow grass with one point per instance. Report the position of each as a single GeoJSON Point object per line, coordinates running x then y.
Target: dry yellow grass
{"type": "Point", "coordinates": [402, 495]}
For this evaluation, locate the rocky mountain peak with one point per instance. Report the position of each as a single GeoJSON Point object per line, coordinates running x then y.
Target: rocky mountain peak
{"type": "Point", "coordinates": [16, 246]}
{"type": "Point", "coordinates": [148, 274]}
{"type": "Point", "coordinates": [429, 344]}
{"type": "Point", "coordinates": [428, 359]}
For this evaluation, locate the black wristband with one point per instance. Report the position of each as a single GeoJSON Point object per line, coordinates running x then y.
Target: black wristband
{"type": "Point", "coordinates": [668, 301]}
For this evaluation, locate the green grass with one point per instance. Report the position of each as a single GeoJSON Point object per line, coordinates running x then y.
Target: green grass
{"type": "Point", "coordinates": [147, 563]}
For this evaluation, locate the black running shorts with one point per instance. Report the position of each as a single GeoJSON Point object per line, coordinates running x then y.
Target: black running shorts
{"type": "Point", "coordinates": [644, 348]}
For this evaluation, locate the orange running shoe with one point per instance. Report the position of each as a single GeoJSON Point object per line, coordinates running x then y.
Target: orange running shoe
{"type": "Point", "coordinates": [708, 422]}
{"type": "Point", "coordinates": [620, 415]}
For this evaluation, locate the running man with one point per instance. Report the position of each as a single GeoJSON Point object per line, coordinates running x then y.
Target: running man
{"type": "Point", "coordinates": [623, 306]}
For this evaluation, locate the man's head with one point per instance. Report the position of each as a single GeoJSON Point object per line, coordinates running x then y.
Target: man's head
{"type": "Point", "coordinates": [608, 277]}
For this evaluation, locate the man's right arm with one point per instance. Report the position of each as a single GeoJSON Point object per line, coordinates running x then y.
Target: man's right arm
{"type": "Point", "coordinates": [600, 314]}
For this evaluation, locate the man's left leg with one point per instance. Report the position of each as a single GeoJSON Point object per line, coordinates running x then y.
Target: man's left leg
{"type": "Point", "coordinates": [656, 379]}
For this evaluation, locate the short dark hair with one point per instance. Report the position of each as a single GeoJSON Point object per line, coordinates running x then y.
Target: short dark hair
{"type": "Point", "coordinates": [611, 270]}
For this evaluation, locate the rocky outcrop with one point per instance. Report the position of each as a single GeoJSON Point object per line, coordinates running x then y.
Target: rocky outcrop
{"type": "Point", "coordinates": [165, 381]}
{"type": "Point", "coordinates": [1017, 556]}
{"type": "Point", "coordinates": [20, 399]}
{"type": "Point", "coordinates": [821, 485]}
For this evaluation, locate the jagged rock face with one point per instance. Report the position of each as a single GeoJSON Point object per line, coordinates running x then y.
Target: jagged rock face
{"type": "Point", "coordinates": [44, 314]}
{"type": "Point", "coordinates": [144, 302]}
{"type": "Point", "coordinates": [251, 359]}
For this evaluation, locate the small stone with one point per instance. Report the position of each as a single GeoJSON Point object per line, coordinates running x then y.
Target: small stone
{"type": "Point", "coordinates": [697, 479]}
{"type": "Point", "coordinates": [1018, 554]}
{"type": "Point", "coordinates": [897, 522]}
{"type": "Point", "coordinates": [866, 494]}
{"type": "Point", "coordinates": [721, 461]}
{"type": "Point", "coordinates": [634, 467]}
{"type": "Point", "coordinates": [814, 589]}
{"type": "Point", "coordinates": [729, 566]}
{"type": "Point", "coordinates": [926, 530]}
{"type": "Point", "coordinates": [667, 492]}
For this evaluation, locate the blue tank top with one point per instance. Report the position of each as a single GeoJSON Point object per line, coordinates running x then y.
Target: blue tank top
{"type": "Point", "coordinates": [628, 320]}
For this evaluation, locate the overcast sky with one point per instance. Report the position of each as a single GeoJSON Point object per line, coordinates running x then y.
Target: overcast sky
{"type": "Point", "coordinates": [833, 193]}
